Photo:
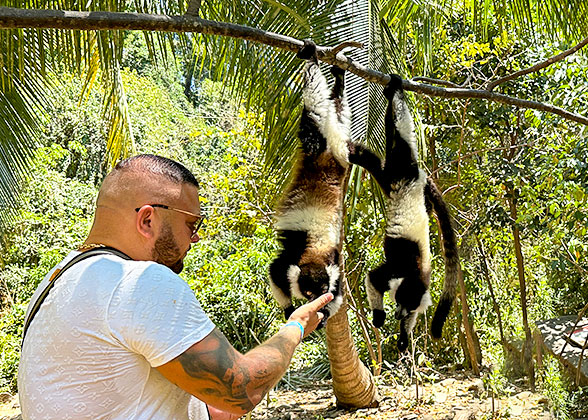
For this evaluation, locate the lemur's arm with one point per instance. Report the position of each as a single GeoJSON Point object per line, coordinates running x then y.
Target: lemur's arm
{"type": "Point", "coordinates": [364, 157]}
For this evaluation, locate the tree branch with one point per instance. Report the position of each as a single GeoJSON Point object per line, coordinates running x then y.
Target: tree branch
{"type": "Point", "coordinates": [435, 81]}
{"type": "Point", "coordinates": [491, 96]}
{"type": "Point", "coordinates": [477, 152]}
{"type": "Point", "coordinates": [11, 18]}
{"type": "Point", "coordinates": [539, 66]}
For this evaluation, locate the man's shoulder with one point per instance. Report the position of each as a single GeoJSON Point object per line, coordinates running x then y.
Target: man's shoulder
{"type": "Point", "coordinates": [105, 264]}
{"type": "Point", "coordinates": [146, 272]}
{"type": "Point", "coordinates": [108, 258]}
{"type": "Point", "coordinates": [151, 268]}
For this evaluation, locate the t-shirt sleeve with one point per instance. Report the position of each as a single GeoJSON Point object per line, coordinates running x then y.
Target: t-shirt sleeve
{"type": "Point", "coordinates": [153, 312]}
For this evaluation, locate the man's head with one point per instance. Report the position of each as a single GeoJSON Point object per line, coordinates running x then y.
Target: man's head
{"type": "Point", "coordinates": [148, 207]}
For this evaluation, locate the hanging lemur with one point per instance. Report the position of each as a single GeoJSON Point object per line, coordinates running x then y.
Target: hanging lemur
{"type": "Point", "coordinates": [406, 270]}
{"type": "Point", "coordinates": [309, 217]}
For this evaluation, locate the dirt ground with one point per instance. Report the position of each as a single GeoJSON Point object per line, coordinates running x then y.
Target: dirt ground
{"type": "Point", "coordinates": [458, 397]}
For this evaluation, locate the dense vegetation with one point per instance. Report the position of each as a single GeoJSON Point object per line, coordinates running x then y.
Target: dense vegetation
{"type": "Point", "coordinates": [504, 170]}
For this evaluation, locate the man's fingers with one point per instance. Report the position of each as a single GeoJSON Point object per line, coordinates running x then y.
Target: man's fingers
{"type": "Point", "coordinates": [321, 301]}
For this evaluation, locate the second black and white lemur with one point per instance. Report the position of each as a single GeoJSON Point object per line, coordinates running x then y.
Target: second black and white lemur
{"type": "Point", "coordinates": [310, 215]}
{"type": "Point", "coordinates": [406, 270]}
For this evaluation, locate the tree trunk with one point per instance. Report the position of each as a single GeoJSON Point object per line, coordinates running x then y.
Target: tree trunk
{"type": "Point", "coordinates": [353, 384]}
{"type": "Point", "coordinates": [528, 345]}
{"type": "Point", "coordinates": [471, 339]}
{"type": "Point", "coordinates": [486, 274]}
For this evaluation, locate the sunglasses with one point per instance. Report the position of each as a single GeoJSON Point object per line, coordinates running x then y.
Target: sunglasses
{"type": "Point", "coordinates": [197, 224]}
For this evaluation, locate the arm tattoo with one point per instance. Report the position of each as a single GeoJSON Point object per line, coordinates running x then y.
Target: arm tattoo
{"type": "Point", "coordinates": [234, 377]}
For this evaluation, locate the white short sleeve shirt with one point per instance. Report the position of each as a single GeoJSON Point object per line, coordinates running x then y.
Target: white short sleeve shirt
{"type": "Point", "coordinates": [91, 350]}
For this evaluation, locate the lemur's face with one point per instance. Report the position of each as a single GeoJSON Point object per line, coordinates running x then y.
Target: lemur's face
{"type": "Point", "coordinates": [408, 298]}
{"type": "Point", "coordinates": [313, 280]}
{"type": "Point", "coordinates": [317, 279]}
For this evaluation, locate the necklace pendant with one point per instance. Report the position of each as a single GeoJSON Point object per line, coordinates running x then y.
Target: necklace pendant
{"type": "Point", "coordinates": [90, 246]}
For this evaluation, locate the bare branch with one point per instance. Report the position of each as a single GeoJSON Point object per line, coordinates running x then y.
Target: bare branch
{"type": "Point", "coordinates": [539, 66]}
{"type": "Point", "coordinates": [491, 96]}
{"type": "Point", "coordinates": [432, 81]}
{"type": "Point", "coordinates": [477, 152]}
{"type": "Point", "coordinates": [59, 19]}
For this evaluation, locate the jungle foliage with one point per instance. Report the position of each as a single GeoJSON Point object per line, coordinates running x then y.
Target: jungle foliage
{"type": "Point", "coordinates": [501, 169]}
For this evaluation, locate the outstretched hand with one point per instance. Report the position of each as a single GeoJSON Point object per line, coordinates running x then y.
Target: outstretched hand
{"type": "Point", "coordinates": [308, 314]}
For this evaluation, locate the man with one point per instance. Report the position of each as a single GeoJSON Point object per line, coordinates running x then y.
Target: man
{"type": "Point", "coordinates": [121, 338]}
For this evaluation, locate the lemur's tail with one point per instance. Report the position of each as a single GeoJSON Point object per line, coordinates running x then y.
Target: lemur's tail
{"type": "Point", "coordinates": [451, 255]}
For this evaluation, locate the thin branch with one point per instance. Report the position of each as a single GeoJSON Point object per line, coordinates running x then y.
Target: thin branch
{"type": "Point", "coordinates": [539, 66]}
{"type": "Point", "coordinates": [448, 190]}
{"type": "Point", "coordinates": [571, 259]}
{"type": "Point", "coordinates": [463, 126]}
{"type": "Point", "coordinates": [579, 367]}
{"type": "Point", "coordinates": [477, 152]}
{"type": "Point", "coordinates": [11, 18]}
{"type": "Point", "coordinates": [432, 81]}
{"type": "Point", "coordinates": [578, 319]}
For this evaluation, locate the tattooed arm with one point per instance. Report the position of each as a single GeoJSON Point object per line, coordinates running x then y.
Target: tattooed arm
{"type": "Point", "coordinates": [214, 372]}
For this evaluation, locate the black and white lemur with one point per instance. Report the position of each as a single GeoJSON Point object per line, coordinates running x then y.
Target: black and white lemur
{"type": "Point", "coordinates": [406, 270]}
{"type": "Point", "coordinates": [309, 217]}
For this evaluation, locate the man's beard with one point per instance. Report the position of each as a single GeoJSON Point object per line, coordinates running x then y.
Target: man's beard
{"type": "Point", "coordinates": [166, 251]}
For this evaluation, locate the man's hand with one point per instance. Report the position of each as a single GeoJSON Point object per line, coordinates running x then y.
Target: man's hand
{"type": "Point", "coordinates": [308, 314]}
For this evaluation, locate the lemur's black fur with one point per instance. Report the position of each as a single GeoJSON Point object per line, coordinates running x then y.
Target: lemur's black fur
{"type": "Point", "coordinates": [309, 217]}
{"type": "Point", "coordinates": [406, 270]}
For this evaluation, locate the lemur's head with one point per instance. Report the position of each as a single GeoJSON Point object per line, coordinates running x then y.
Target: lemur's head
{"type": "Point", "coordinates": [315, 275]}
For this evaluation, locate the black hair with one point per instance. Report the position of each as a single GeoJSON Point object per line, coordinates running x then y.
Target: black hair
{"type": "Point", "coordinates": [172, 170]}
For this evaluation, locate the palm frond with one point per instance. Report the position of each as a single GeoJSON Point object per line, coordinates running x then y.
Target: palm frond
{"type": "Point", "coordinates": [266, 79]}
{"type": "Point", "coordinates": [23, 96]}
{"type": "Point", "coordinates": [120, 141]}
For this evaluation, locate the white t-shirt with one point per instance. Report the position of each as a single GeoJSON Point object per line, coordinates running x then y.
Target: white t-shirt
{"type": "Point", "coordinates": [91, 350]}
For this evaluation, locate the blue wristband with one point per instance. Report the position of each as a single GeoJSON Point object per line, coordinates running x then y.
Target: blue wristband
{"type": "Point", "coordinates": [296, 324]}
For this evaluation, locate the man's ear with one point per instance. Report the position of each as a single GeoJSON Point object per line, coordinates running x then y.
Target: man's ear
{"type": "Point", "coordinates": [144, 222]}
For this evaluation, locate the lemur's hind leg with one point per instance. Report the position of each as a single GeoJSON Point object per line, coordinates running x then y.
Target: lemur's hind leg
{"type": "Point", "coordinates": [317, 103]}
{"type": "Point", "coordinates": [401, 148]}
{"type": "Point", "coordinates": [339, 86]}
{"type": "Point", "coordinates": [308, 51]}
